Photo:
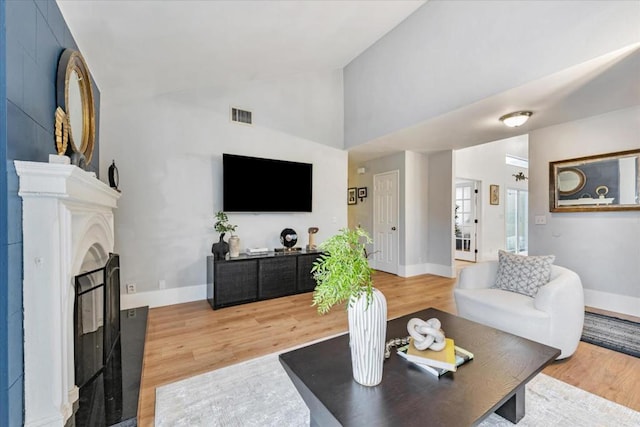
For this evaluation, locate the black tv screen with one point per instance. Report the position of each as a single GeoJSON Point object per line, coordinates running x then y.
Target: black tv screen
{"type": "Point", "coordinates": [253, 184]}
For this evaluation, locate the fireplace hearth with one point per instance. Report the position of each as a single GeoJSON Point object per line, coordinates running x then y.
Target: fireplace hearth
{"type": "Point", "coordinates": [110, 399]}
{"type": "Point", "coordinates": [108, 351]}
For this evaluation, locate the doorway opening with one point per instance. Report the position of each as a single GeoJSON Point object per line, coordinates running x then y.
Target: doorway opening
{"type": "Point", "coordinates": [466, 220]}
{"type": "Point", "coordinates": [516, 221]}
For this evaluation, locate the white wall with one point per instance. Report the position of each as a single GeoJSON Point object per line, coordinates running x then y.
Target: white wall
{"type": "Point", "coordinates": [440, 228]}
{"type": "Point", "coordinates": [424, 219]}
{"type": "Point", "coordinates": [169, 154]}
{"type": "Point", "coordinates": [603, 248]}
{"type": "Point", "coordinates": [486, 163]}
{"type": "Point", "coordinates": [416, 212]}
{"type": "Point", "coordinates": [417, 71]}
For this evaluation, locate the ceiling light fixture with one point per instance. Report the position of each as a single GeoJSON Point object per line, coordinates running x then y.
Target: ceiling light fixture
{"type": "Point", "coordinates": [516, 119]}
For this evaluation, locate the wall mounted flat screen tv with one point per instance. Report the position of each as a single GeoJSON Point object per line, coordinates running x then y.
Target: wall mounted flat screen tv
{"type": "Point", "coordinates": [253, 184]}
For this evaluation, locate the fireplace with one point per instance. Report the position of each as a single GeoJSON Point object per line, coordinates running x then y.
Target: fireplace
{"type": "Point", "coordinates": [68, 229]}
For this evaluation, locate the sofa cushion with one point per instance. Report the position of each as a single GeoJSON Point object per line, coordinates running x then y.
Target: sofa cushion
{"type": "Point", "coordinates": [523, 274]}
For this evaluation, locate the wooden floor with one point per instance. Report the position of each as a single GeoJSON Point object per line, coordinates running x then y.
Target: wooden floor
{"type": "Point", "coordinates": [189, 339]}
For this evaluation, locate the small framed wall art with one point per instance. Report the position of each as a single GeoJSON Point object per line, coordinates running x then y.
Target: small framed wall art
{"type": "Point", "coordinates": [351, 196]}
{"type": "Point", "coordinates": [362, 193]}
{"type": "Point", "coordinates": [494, 194]}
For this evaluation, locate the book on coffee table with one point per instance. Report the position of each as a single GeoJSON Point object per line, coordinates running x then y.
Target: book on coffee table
{"type": "Point", "coordinates": [445, 358]}
{"type": "Point", "coordinates": [462, 357]}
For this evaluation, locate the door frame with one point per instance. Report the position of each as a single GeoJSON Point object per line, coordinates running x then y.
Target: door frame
{"type": "Point", "coordinates": [477, 212]}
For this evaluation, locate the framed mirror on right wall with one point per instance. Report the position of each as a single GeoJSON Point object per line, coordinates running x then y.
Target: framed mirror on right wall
{"type": "Point", "coordinates": [605, 182]}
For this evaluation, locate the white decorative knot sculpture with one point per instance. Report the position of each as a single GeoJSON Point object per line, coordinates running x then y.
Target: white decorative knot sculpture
{"type": "Point", "coordinates": [426, 334]}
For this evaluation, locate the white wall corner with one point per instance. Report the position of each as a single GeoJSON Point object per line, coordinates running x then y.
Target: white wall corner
{"type": "Point", "coordinates": [162, 297]}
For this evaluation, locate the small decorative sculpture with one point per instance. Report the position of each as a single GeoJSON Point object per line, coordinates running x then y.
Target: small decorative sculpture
{"type": "Point", "coordinates": [114, 176]}
{"type": "Point", "coordinates": [394, 342]}
{"type": "Point", "coordinates": [426, 334]}
{"type": "Point", "coordinates": [602, 191]}
{"type": "Point", "coordinates": [312, 244]}
{"type": "Point", "coordinates": [220, 249]}
{"type": "Point", "coordinates": [288, 238]}
{"type": "Point", "coordinates": [520, 176]}
{"type": "Point", "coordinates": [61, 131]}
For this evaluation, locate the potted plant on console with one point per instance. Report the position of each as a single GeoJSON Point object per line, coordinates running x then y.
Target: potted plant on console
{"type": "Point", "coordinates": [343, 274]}
{"type": "Point", "coordinates": [222, 225]}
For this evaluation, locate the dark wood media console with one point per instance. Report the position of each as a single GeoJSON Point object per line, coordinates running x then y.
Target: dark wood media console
{"type": "Point", "coordinates": [251, 278]}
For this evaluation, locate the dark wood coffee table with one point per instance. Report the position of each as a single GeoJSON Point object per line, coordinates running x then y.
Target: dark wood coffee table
{"type": "Point", "coordinates": [493, 382]}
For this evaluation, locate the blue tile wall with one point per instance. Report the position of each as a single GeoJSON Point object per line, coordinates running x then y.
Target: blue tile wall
{"type": "Point", "coordinates": [14, 205]}
{"type": "Point", "coordinates": [55, 22]}
{"type": "Point", "coordinates": [21, 136]}
{"type": "Point", "coordinates": [15, 73]}
{"type": "Point", "coordinates": [14, 274]}
{"type": "Point", "coordinates": [48, 48]}
{"type": "Point", "coordinates": [4, 294]}
{"type": "Point", "coordinates": [21, 17]}
{"type": "Point", "coordinates": [36, 36]}
{"type": "Point", "coordinates": [16, 414]}
{"type": "Point", "coordinates": [15, 347]}
{"type": "Point", "coordinates": [43, 6]}
{"type": "Point", "coordinates": [31, 42]}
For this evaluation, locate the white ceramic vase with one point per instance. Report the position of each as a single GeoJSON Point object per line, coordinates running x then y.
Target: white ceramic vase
{"type": "Point", "coordinates": [234, 246]}
{"type": "Point", "coordinates": [367, 333]}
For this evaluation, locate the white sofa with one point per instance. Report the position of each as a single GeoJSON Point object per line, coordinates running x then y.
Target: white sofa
{"type": "Point", "coordinates": [554, 317]}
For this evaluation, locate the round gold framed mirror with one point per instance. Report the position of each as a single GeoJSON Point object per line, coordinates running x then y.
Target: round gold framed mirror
{"type": "Point", "coordinates": [74, 95]}
{"type": "Point", "coordinates": [570, 181]}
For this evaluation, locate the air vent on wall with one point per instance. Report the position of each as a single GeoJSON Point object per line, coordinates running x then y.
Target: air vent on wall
{"type": "Point", "coordinates": [241, 116]}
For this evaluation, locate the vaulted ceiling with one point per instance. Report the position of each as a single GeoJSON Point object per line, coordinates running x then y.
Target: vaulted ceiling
{"type": "Point", "coordinates": [144, 48]}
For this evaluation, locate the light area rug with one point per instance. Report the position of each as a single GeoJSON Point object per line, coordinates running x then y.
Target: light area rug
{"type": "Point", "coordinates": [259, 393]}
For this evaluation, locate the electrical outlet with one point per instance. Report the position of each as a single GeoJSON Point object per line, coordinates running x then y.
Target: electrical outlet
{"type": "Point", "coordinates": [162, 284]}
{"type": "Point", "coordinates": [540, 219]}
{"type": "Point", "coordinates": [131, 288]}
{"type": "Point", "coordinates": [131, 313]}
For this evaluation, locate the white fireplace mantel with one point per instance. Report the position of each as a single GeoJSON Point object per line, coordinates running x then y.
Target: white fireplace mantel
{"type": "Point", "coordinates": [67, 218]}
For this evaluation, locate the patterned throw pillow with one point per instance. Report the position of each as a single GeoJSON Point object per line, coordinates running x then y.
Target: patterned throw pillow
{"type": "Point", "coordinates": [523, 274]}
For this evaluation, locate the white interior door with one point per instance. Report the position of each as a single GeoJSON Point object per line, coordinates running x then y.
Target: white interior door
{"type": "Point", "coordinates": [385, 222]}
{"type": "Point", "coordinates": [466, 220]}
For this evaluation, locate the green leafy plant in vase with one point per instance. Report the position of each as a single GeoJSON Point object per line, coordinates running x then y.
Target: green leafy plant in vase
{"type": "Point", "coordinates": [342, 272]}
{"type": "Point", "coordinates": [343, 275]}
{"type": "Point", "coordinates": [222, 226]}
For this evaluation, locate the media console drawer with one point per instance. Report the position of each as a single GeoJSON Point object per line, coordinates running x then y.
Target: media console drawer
{"type": "Point", "coordinates": [255, 278]}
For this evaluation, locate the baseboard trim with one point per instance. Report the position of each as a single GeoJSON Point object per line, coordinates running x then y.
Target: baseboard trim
{"type": "Point", "coordinates": [426, 268]}
{"type": "Point", "coordinates": [612, 302]}
{"type": "Point", "coordinates": [163, 297]}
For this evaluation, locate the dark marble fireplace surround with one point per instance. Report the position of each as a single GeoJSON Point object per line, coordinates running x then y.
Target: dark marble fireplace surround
{"type": "Point", "coordinates": [108, 353]}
